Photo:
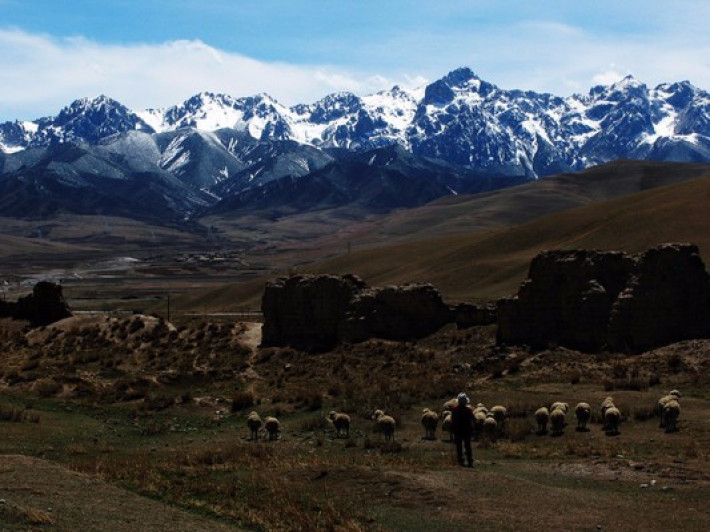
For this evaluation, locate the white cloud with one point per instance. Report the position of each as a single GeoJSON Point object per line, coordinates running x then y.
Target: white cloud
{"type": "Point", "coordinates": [39, 74]}
{"type": "Point", "coordinates": [607, 77]}
{"type": "Point", "coordinates": [554, 57]}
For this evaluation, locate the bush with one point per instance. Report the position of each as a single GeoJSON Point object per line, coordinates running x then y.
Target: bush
{"type": "Point", "coordinates": [135, 325]}
{"type": "Point", "coordinates": [47, 387]}
{"type": "Point", "coordinates": [243, 399]}
{"type": "Point", "coordinates": [675, 363]}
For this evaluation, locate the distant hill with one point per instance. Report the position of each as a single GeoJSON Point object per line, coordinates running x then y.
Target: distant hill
{"type": "Point", "coordinates": [655, 203]}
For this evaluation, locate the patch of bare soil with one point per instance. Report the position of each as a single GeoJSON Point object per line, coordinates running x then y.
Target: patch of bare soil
{"type": "Point", "coordinates": [37, 492]}
{"type": "Point", "coordinates": [251, 335]}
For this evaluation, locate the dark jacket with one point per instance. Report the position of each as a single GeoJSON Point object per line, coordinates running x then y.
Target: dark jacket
{"type": "Point", "coordinates": [462, 420]}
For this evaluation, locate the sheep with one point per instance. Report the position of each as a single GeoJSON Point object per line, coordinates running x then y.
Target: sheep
{"type": "Point", "coordinates": [560, 405]}
{"type": "Point", "coordinates": [542, 416]}
{"type": "Point", "coordinates": [490, 427]}
{"type": "Point", "coordinates": [341, 422]}
{"type": "Point", "coordinates": [254, 424]}
{"type": "Point", "coordinates": [671, 411]}
{"type": "Point", "coordinates": [384, 424]}
{"type": "Point", "coordinates": [583, 411]}
{"type": "Point", "coordinates": [673, 395]}
{"type": "Point", "coordinates": [606, 403]}
{"type": "Point", "coordinates": [480, 407]}
{"type": "Point", "coordinates": [557, 420]}
{"type": "Point", "coordinates": [446, 424]}
{"type": "Point", "coordinates": [271, 424]}
{"type": "Point", "coordinates": [500, 413]}
{"type": "Point", "coordinates": [451, 404]}
{"type": "Point", "coordinates": [479, 420]}
{"type": "Point", "coordinates": [612, 419]}
{"type": "Point", "coordinates": [430, 420]}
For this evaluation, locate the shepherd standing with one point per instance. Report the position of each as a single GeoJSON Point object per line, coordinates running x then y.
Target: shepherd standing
{"type": "Point", "coordinates": [462, 427]}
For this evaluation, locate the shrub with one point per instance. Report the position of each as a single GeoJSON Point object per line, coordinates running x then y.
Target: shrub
{"type": "Point", "coordinates": [619, 371]}
{"type": "Point", "coordinates": [675, 363]}
{"type": "Point", "coordinates": [135, 325]}
{"type": "Point", "coordinates": [47, 387]}
{"type": "Point", "coordinates": [243, 399]}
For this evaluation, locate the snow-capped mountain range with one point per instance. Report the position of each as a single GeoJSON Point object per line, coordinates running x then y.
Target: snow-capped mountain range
{"type": "Point", "coordinates": [217, 146]}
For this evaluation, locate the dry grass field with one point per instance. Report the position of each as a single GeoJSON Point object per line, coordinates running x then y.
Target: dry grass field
{"type": "Point", "coordinates": [151, 418]}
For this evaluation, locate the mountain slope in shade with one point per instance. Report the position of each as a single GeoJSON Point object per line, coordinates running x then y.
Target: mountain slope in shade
{"type": "Point", "coordinates": [82, 180]}
{"type": "Point", "coordinates": [399, 148]}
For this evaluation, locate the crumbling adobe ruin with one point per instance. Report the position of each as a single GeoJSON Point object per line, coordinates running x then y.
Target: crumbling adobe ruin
{"type": "Point", "coordinates": [43, 306]}
{"type": "Point", "coordinates": [316, 312]}
{"type": "Point", "coordinates": [592, 300]}
{"type": "Point", "coordinates": [580, 299]}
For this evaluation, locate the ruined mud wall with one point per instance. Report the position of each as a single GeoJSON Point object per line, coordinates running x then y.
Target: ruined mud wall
{"type": "Point", "coordinates": [44, 305]}
{"type": "Point", "coordinates": [317, 312]}
{"type": "Point", "coordinates": [590, 300]}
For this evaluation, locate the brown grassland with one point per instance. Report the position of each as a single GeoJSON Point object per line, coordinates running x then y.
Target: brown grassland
{"type": "Point", "coordinates": [113, 423]}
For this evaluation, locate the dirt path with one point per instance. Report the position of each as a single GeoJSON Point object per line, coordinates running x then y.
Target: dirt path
{"type": "Point", "coordinates": [36, 492]}
{"type": "Point", "coordinates": [251, 337]}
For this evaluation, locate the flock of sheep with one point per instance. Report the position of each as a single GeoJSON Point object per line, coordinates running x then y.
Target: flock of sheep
{"type": "Point", "coordinates": [489, 422]}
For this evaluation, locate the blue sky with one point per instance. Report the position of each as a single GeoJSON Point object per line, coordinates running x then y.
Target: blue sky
{"type": "Point", "coordinates": [156, 53]}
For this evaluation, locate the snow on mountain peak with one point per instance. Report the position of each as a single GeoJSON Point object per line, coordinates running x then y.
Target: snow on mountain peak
{"type": "Point", "coordinates": [459, 118]}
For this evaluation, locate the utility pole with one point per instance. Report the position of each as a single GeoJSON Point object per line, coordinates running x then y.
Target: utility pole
{"type": "Point", "coordinates": [168, 306]}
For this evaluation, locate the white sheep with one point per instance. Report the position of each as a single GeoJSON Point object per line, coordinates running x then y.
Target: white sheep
{"type": "Point", "coordinates": [446, 424]}
{"type": "Point", "coordinates": [673, 395]}
{"type": "Point", "coordinates": [583, 411]}
{"type": "Point", "coordinates": [557, 421]}
{"type": "Point", "coordinates": [479, 420]}
{"type": "Point", "coordinates": [671, 412]}
{"type": "Point", "coordinates": [490, 427]}
{"type": "Point", "coordinates": [384, 424]}
{"type": "Point", "coordinates": [451, 404]}
{"type": "Point", "coordinates": [606, 403]}
{"type": "Point", "coordinates": [542, 416]}
{"type": "Point", "coordinates": [254, 424]}
{"type": "Point", "coordinates": [341, 423]}
{"type": "Point", "coordinates": [612, 420]}
{"type": "Point", "coordinates": [480, 407]}
{"type": "Point", "coordinates": [559, 404]}
{"type": "Point", "coordinates": [430, 420]}
{"type": "Point", "coordinates": [272, 426]}
{"type": "Point", "coordinates": [500, 413]}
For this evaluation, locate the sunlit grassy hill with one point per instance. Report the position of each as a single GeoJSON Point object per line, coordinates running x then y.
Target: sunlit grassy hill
{"type": "Point", "coordinates": [490, 263]}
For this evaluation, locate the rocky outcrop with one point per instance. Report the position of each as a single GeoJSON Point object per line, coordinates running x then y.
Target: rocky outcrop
{"type": "Point", "coordinates": [591, 300]}
{"type": "Point", "coordinates": [45, 305]}
{"type": "Point", "coordinates": [316, 312]}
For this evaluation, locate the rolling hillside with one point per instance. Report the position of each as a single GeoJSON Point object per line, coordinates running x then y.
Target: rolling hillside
{"type": "Point", "coordinates": [488, 264]}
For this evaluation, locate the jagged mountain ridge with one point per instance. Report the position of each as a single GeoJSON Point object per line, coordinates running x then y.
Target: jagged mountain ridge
{"type": "Point", "coordinates": [459, 118]}
{"type": "Point", "coordinates": [396, 148]}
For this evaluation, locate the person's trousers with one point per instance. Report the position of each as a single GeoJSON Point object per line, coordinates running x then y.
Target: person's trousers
{"type": "Point", "coordinates": [463, 443]}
